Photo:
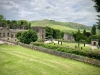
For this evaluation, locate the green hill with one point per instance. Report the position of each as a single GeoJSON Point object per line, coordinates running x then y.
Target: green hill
{"type": "Point", "coordinates": [68, 27]}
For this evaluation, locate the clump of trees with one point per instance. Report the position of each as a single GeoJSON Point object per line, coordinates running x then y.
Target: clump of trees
{"type": "Point", "coordinates": [27, 36]}
{"type": "Point", "coordinates": [53, 33]}
{"type": "Point", "coordinates": [13, 24]}
{"type": "Point", "coordinates": [80, 37]}
{"type": "Point", "coordinates": [86, 37]}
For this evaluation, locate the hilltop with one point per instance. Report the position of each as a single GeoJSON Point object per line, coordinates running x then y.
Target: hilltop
{"type": "Point", "coordinates": [67, 27]}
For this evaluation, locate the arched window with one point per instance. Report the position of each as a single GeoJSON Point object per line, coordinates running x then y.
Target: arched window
{"type": "Point", "coordinates": [3, 34]}
{"type": "Point", "coordinates": [8, 34]}
{"type": "Point", "coordinates": [0, 34]}
{"type": "Point", "coordinates": [12, 36]}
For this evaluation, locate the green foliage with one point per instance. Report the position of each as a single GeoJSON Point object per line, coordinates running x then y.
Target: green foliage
{"type": "Point", "coordinates": [56, 34]}
{"type": "Point", "coordinates": [79, 36]}
{"type": "Point", "coordinates": [93, 30]}
{"type": "Point", "coordinates": [84, 32]}
{"type": "Point", "coordinates": [27, 36]}
{"type": "Point", "coordinates": [94, 37]}
{"type": "Point", "coordinates": [18, 35]}
{"type": "Point", "coordinates": [53, 33]}
{"type": "Point", "coordinates": [62, 34]}
{"type": "Point", "coordinates": [2, 17]}
{"type": "Point", "coordinates": [97, 7]}
{"type": "Point", "coordinates": [13, 24]}
{"type": "Point", "coordinates": [88, 40]}
{"type": "Point", "coordinates": [22, 22]}
{"type": "Point", "coordinates": [49, 32]}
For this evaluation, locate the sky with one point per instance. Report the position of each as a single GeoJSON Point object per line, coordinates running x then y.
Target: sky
{"type": "Point", "coordinates": [79, 11]}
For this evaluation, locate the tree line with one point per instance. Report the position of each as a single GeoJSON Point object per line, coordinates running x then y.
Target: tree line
{"type": "Point", "coordinates": [53, 33]}
{"type": "Point", "coordinates": [14, 24]}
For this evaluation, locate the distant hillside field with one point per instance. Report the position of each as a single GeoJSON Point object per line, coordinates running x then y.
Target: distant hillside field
{"type": "Point", "coordinates": [17, 60]}
{"type": "Point", "coordinates": [68, 27]}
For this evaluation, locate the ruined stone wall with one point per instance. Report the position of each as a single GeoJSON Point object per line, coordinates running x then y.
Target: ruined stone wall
{"type": "Point", "coordinates": [40, 32]}
{"type": "Point", "coordinates": [65, 55]}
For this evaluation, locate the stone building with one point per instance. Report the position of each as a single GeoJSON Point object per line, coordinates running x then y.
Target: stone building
{"type": "Point", "coordinates": [68, 37]}
{"type": "Point", "coordinates": [9, 34]}
{"type": "Point", "coordinates": [40, 32]}
{"type": "Point", "coordinates": [94, 42]}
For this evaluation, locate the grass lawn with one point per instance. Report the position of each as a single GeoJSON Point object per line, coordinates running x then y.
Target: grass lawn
{"type": "Point", "coordinates": [17, 60]}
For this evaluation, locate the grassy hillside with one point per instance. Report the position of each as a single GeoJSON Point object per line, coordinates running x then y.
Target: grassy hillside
{"type": "Point", "coordinates": [17, 60]}
{"type": "Point", "coordinates": [68, 27]}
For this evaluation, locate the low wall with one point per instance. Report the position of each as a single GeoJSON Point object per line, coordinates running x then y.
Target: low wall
{"type": "Point", "coordinates": [63, 54]}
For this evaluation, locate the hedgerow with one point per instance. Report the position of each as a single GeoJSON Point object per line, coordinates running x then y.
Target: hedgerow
{"type": "Point", "coordinates": [91, 54]}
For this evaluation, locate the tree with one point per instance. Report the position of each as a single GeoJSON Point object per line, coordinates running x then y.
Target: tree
{"type": "Point", "coordinates": [49, 32]}
{"type": "Point", "coordinates": [62, 34]}
{"type": "Point", "coordinates": [79, 36]}
{"type": "Point", "coordinates": [2, 17]}
{"type": "Point", "coordinates": [84, 32]}
{"type": "Point", "coordinates": [22, 23]}
{"type": "Point", "coordinates": [97, 7]}
{"type": "Point", "coordinates": [27, 36]}
{"type": "Point", "coordinates": [56, 34]}
{"type": "Point", "coordinates": [18, 35]}
{"type": "Point", "coordinates": [93, 31]}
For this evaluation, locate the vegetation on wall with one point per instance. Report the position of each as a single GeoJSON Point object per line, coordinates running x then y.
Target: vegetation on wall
{"type": "Point", "coordinates": [77, 51]}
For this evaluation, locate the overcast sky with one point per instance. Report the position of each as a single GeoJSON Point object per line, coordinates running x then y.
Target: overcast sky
{"type": "Point", "coordinates": [79, 11]}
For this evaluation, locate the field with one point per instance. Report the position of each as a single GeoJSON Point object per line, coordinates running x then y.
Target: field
{"type": "Point", "coordinates": [17, 60]}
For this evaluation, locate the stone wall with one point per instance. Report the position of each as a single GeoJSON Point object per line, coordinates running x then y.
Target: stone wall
{"type": "Point", "coordinates": [68, 37]}
{"type": "Point", "coordinates": [40, 32]}
{"type": "Point", "coordinates": [63, 54]}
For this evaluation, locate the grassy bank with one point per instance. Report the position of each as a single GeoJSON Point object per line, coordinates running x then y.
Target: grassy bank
{"type": "Point", "coordinates": [17, 60]}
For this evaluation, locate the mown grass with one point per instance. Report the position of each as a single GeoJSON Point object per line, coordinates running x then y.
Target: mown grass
{"type": "Point", "coordinates": [17, 60]}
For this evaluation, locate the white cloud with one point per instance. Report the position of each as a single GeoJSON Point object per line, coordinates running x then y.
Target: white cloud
{"type": "Point", "coordinates": [79, 11]}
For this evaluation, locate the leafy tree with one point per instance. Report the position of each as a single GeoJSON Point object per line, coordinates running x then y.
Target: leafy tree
{"type": "Point", "coordinates": [2, 17]}
{"type": "Point", "coordinates": [22, 23]}
{"type": "Point", "coordinates": [84, 32]}
{"type": "Point", "coordinates": [62, 34]}
{"type": "Point", "coordinates": [27, 36]}
{"type": "Point", "coordinates": [4, 23]}
{"type": "Point", "coordinates": [97, 7]}
{"type": "Point", "coordinates": [93, 31]}
{"type": "Point", "coordinates": [49, 32]}
{"type": "Point", "coordinates": [56, 34]}
{"type": "Point", "coordinates": [18, 35]}
{"type": "Point", "coordinates": [79, 36]}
